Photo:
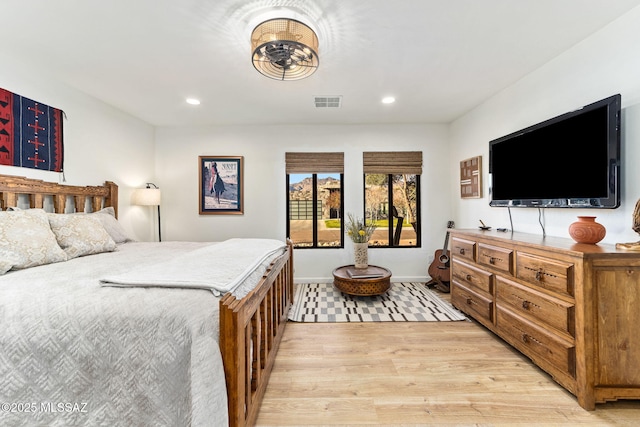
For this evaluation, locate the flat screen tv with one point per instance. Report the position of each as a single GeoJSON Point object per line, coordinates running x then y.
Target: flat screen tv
{"type": "Point", "coordinates": [569, 161]}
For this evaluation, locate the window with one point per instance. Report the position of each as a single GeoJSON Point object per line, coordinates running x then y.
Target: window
{"type": "Point", "coordinates": [392, 197]}
{"type": "Point", "coordinates": [315, 199]}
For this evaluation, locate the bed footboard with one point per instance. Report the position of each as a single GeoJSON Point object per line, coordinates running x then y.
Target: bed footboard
{"type": "Point", "coordinates": [250, 332]}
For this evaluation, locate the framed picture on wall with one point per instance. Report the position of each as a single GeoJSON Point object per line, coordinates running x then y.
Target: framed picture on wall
{"type": "Point", "coordinates": [220, 185]}
{"type": "Point", "coordinates": [471, 178]}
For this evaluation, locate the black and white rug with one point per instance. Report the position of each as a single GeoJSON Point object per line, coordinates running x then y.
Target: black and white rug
{"type": "Point", "coordinates": [403, 302]}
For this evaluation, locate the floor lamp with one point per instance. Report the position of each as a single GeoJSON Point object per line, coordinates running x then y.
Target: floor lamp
{"type": "Point", "coordinates": [149, 197]}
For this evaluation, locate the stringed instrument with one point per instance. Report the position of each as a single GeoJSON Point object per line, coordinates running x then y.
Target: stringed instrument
{"type": "Point", "coordinates": [439, 268]}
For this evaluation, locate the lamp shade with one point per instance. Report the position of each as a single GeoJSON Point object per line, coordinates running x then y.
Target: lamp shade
{"type": "Point", "coordinates": [146, 197]}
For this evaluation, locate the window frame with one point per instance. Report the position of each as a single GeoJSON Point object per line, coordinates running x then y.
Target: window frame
{"type": "Point", "coordinates": [390, 227]}
{"type": "Point", "coordinates": [392, 163]}
{"type": "Point", "coordinates": [315, 219]}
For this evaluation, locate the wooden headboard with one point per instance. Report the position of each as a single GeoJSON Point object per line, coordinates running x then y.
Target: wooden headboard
{"type": "Point", "coordinates": [11, 187]}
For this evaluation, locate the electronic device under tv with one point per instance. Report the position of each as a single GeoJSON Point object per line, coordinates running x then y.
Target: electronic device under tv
{"type": "Point", "coordinates": [569, 161]}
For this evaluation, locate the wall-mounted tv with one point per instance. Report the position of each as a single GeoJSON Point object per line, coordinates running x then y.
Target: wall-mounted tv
{"type": "Point", "coordinates": [569, 161]}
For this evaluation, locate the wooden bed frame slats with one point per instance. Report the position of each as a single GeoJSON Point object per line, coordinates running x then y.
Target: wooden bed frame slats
{"type": "Point", "coordinates": [258, 321]}
{"type": "Point", "coordinates": [11, 187]}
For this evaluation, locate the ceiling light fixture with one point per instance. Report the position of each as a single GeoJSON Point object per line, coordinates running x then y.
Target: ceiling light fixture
{"type": "Point", "coordinates": [284, 49]}
{"type": "Point", "coordinates": [388, 100]}
{"type": "Point", "coordinates": [193, 101]}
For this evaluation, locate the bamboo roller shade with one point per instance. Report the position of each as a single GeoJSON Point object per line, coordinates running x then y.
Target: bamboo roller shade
{"type": "Point", "coordinates": [407, 162]}
{"type": "Point", "coordinates": [314, 162]}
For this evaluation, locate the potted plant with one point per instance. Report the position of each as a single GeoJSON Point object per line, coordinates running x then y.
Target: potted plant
{"type": "Point", "coordinates": [359, 231]}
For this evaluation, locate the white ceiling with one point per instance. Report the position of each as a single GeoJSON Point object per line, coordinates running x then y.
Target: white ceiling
{"type": "Point", "coordinates": [439, 58]}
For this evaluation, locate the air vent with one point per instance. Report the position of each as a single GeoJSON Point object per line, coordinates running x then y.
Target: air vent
{"type": "Point", "coordinates": [328, 101]}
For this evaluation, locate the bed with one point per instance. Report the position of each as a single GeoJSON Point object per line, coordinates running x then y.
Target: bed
{"type": "Point", "coordinates": [82, 343]}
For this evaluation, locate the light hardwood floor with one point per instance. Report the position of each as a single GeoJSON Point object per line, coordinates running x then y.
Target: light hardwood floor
{"type": "Point", "coordinates": [417, 373]}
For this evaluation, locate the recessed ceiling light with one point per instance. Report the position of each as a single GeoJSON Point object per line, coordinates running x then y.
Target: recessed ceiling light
{"type": "Point", "coordinates": [388, 100]}
{"type": "Point", "coordinates": [193, 101]}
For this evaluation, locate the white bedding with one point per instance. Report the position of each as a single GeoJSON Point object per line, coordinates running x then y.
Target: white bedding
{"type": "Point", "coordinates": [73, 352]}
{"type": "Point", "coordinates": [220, 268]}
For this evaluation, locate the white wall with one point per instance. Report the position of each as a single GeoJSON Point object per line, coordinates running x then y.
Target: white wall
{"type": "Point", "coordinates": [104, 143]}
{"type": "Point", "coordinates": [602, 65]}
{"type": "Point", "coordinates": [101, 142]}
{"type": "Point", "coordinates": [263, 148]}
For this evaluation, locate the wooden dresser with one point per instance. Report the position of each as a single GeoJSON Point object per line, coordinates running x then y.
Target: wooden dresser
{"type": "Point", "coordinates": [573, 309]}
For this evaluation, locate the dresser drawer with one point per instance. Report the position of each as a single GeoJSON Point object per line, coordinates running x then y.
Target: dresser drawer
{"type": "Point", "coordinates": [496, 257]}
{"type": "Point", "coordinates": [552, 311]}
{"type": "Point", "coordinates": [546, 273]}
{"type": "Point", "coordinates": [473, 303]}
{"type": "Point", "coordinates": [544, 347]}
{"type": "Point", "coordinates": [463, 248]}
{"type": "Point", "coordinates": [473, 277]}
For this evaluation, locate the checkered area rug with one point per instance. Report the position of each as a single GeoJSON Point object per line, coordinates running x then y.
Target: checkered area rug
{"type": "Point", "coordinates": [403, 302]}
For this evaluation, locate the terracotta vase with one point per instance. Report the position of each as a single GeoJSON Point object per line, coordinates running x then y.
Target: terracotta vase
{"type": "Point", "coordinates": [361, 255]}
{"type": "Point", "coordinates": [587, 230]}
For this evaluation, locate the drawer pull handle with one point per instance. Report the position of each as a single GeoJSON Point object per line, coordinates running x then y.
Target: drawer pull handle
{"type": "Point", "coordinates": [469, 277]}
{"type": "Point", "coordinates": [539, 275]}
{"type": "Point", "coordinates": [525, 338]}
{"type": "Point", "coordinates": [526, 305]}
{"type": "Point", "coordinates": [461, 251]}
{"type": "Point", "coordinates": [469, 301]}
{"type": "Point", "coordinates": [492, 260]}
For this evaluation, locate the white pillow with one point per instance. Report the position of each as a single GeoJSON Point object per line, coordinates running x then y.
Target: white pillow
{"type": "Point", "coordinates": [80, 235]}
{"type": "Point", "coordinates": [107, 217]}
{"type": "Point", "coordinates": [26, 240]}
